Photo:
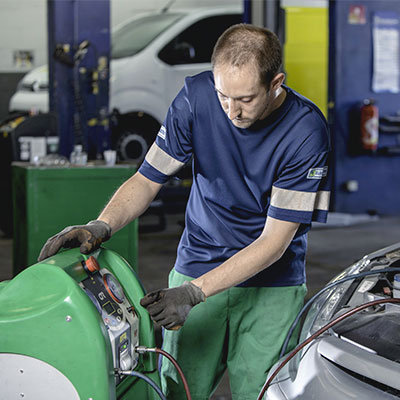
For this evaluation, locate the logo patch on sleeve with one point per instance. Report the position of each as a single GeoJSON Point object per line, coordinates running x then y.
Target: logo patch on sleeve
{"type": "Point", "coordinates": [317, 173]}
{"type": "Point", "coordinates": [162, 132]}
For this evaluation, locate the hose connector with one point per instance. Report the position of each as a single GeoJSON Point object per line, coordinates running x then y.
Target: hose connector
{"type": "Point", "coordinates": [121, 372]}
{"type": "Point", "coordinates": [144, 349]}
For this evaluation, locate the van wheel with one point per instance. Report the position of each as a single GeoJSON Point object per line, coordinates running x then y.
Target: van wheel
{"type": "Point", "coordinates": [132, 135]}
{"type": "Point", "coordinates": [132, 147]}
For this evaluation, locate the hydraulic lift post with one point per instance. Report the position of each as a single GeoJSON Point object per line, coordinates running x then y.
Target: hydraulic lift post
{"type": "Point", "coordinates": [79, 52]}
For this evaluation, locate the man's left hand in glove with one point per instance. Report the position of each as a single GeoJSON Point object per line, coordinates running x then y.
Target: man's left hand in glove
{"type": "Point", "coordinates": [170, 307]}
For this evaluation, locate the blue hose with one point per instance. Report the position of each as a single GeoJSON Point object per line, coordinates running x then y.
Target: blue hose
{"type": "Point", "coordinates": [309, 302]}
{"type": "Point", "coordinates": [147, 380]}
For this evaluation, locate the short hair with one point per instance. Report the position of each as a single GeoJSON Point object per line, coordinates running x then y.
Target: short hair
{"type": "Point", "coordinates": [244, 43]}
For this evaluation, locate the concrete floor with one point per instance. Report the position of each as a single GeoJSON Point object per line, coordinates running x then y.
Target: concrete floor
{"type": "Point", "coordinates": [331, 248]}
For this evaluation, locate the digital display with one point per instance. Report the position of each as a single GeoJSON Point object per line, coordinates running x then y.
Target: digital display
{"type": "Point", "coordinates": [109, 308]}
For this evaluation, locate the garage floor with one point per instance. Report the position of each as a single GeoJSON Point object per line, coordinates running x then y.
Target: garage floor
{"type": "Point", "coordinates": [331, 248]}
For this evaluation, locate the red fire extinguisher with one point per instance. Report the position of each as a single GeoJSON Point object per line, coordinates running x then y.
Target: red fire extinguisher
{"type": "Point", "coordinates": [369, 125]}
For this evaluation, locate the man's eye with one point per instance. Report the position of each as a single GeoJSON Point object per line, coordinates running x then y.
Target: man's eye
{"type": "Point", "coordinates": [246, 100]}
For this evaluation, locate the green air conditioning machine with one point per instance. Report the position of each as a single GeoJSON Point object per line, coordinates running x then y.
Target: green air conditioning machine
{"type": "Point", "coordinates": [69, 324]}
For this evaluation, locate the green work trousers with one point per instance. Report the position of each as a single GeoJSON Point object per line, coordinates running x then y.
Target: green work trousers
{"type": "Point", "coordinates": [241, 329]}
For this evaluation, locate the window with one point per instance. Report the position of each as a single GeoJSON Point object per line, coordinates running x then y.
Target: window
{"type": "Point", "coordinates": [136, 35]}
{"type": "Point", "coordinates": [195, 44]}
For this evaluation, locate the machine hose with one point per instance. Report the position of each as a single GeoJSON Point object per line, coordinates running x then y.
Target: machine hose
{"type": "Point", "coordinates": [323, 290]}
{"type": "Point", "coordinates": [319, 332]}
{"type": "Point", "coordinates": [147, 380]}
{"type": "Point", "coordinates": [143, 349]}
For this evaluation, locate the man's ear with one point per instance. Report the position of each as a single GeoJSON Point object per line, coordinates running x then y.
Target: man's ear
{"type": "Point", "coordinates": [277, 81]}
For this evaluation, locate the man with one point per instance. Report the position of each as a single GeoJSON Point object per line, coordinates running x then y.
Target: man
{"type": "Point", "coordinates": [260, 154]}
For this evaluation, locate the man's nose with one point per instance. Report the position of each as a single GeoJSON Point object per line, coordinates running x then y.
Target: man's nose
{"type": "Point", "coordinates": [233, 109]}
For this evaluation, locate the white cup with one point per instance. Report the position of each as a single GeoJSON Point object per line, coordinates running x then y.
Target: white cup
{"type": "Point", "coordinates": [110, 157]}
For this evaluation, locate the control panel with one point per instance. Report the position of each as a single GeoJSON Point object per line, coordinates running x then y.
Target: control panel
{"type": "Point", "coordinates": [118, 315]}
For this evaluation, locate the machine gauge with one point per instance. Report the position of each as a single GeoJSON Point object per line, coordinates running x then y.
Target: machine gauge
{"type": "Point", "coordinates": [113, 288]}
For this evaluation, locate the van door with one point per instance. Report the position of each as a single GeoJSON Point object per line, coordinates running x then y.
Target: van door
{"type": "Point", "coordinates": [190, 52]}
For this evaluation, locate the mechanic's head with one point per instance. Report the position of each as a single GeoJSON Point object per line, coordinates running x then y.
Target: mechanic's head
{"type": "Point", "coordinates": [246, 63]}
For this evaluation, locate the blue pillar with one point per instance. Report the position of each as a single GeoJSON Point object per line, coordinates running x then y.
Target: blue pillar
{"type": "Point", "coordinates": [247, 12]}
{"type": "Point", "coordinates": [79, 49]}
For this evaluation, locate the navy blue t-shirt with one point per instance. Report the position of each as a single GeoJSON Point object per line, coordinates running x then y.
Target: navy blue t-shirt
{"type": "Point", "coordinates": [278, 167]}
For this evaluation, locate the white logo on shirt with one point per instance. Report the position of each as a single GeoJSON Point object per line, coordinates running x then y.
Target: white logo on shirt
{"type": "Point", "coordinates": [162, 132]}
{"type": "Point", "coordinates": [317, 173]}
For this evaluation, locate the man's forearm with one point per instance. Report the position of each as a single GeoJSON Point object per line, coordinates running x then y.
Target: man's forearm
{"type": "Point", "coordinates": [260, 254]}
{"type": "Point", "coordinates": [129, 202]}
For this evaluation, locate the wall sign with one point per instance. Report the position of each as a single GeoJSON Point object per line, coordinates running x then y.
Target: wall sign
{"type": "Point", "coordinates": [357, 15]}
{"type": "Point", "coordinates": [386, 32]}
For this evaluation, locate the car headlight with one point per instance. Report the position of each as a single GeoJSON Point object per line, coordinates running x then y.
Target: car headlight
{"type": "Point", "coordinates": [355, 268]}
{"type": "Point", "coordinates": [324, 306]}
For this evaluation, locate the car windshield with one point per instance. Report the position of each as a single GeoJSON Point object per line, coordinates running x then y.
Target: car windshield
{"type": "Point", "coordinates": [136, 35]}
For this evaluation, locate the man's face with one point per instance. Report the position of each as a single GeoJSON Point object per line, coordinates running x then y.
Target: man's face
{"type": "Point", "coordinates": [242, 96]}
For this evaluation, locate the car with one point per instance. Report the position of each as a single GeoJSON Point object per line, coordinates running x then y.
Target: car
{"type": "Point", "coordinates": [32, 92]}
{"type": "Point", "coordinates": [150, 57]}
{"type": "Point", "coordinates": [349, 344]}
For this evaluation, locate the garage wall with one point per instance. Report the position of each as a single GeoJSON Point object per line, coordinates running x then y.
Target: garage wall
{"type": "Point", "coordinates": [22, 43]}
{"type": "Point", "coordinates": [23, 34]}
{"type": "Point", "coordinates": [364, 181]}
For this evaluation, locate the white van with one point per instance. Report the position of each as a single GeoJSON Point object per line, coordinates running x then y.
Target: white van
{"type": "Point", "coordinates": [151, 56]}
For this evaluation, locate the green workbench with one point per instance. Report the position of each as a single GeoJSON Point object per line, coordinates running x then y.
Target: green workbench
{"type": "Point", "coordinates": [47, 199]}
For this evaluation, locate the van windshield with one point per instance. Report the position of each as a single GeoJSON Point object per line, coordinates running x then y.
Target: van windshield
{"type": "Point", "coordinates": [136, 35]}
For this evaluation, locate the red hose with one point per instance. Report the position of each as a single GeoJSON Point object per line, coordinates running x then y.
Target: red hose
{"type": "Point", "coordinates": [178, 368]}
{"type": "Point", "coordinates": [319, 332]}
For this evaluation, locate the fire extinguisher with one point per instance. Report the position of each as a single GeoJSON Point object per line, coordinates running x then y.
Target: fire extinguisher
{"type": "Point", "coordinates": [369, 125]}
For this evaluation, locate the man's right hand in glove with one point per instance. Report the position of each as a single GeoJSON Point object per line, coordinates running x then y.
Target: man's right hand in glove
{"type": "Point", "coordinates": [87, 237]}
{"type": "Point", "coordinates": [170, 307]}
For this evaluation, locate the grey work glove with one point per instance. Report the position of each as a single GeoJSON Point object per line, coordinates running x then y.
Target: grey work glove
{"type": "Point", "coordinates": [170, 307]}
{"type": "Point", "coordinates": [88, 237]}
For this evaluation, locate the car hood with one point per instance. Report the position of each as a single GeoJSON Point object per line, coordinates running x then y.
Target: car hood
{"type": "Point", "coordinates": [362, 351]}
{"type": "Point", "coordinates": [39, 75]}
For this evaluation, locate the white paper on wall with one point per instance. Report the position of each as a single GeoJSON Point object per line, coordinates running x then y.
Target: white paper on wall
{"type": "Point", "coordinates": [386, 71]}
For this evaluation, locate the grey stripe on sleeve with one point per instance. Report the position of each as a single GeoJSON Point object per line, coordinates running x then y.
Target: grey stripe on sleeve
{"type": "Point", "coordinates": [322, 200]}
{"type": "Point", "coordinates": [162, 161]}
{"type": "Point", "coordinates": [299, 201]}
